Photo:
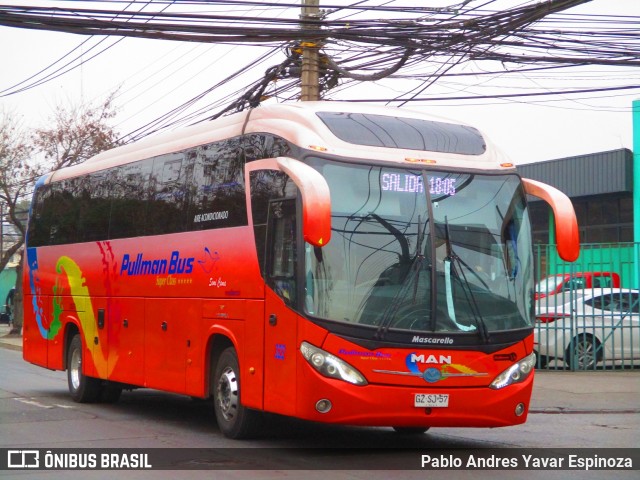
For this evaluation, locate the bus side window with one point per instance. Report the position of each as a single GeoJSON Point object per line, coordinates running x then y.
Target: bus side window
{"type": "Point", "coordinates": [129, 198]}
{"type": "Point", "coordinates": [41, 220]}
{"type": "Point", "coordinates": [217, 191]}
{"type": "Point", "coordinates": [65, 211]}
{"type": "Point", "coordinates": [94, 204]}
{"type": "Point", "coordinates": [168, 205]}
{"type": "Point", "coordinates": [283, 259]}
{"type": "Point", "coordinates": [266, 186]}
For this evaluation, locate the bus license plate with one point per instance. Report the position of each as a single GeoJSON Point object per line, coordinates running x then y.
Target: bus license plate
{"type": "Point", "coordinates": [431, 400]}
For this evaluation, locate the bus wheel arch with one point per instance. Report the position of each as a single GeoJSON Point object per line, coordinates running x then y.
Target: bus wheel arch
{"type": "Point", "coordinates": [234, 420]}
{"type": "Point", "coordinates": [70, 331]}
{"type": "Point", "coordinates": [217, 344]}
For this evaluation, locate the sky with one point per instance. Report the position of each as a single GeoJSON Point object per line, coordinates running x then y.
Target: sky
{"type": "Point", "coordinates": [151, 77]}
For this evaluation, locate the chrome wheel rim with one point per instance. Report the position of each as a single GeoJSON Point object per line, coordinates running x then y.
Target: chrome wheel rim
{"type": "Point", "coordinates": [584, 354]}
{"type": "Point", "coordinates": [75, 369]}
{"type": "Point", "coordinates": [227, 394]}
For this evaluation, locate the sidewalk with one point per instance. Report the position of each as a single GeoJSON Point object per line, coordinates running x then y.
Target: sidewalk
{"type": "Point", "coordinates": [6, 341]}
{"type": "Point", "coordinates": [584, 392]}
{"type": "Point", "coordinates": [553, 392]}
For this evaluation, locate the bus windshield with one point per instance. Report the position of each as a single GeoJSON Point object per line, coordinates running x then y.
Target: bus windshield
{"type": "Point", "coordinates": [422, 251]}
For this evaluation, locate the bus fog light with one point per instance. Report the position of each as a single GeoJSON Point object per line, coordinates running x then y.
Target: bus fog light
{"type": "Point", "coordinates": [323, 406]}
{"type": "Point", "coordinates": [520, 408]}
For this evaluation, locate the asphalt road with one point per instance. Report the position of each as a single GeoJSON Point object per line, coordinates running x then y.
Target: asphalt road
{"type": "Point", "coordinates": [36, 412]}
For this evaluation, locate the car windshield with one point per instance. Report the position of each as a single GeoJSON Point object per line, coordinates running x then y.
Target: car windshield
{"type": "Point", "coordinates": [422, 251]}
{"type": "Point", "coordinates": [549, 284]}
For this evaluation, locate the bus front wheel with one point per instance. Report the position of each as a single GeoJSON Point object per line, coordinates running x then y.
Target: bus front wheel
{"type": "Point", "coordinates": [83, 389]}
{"type": "Point", "coordinates": [234, 420]}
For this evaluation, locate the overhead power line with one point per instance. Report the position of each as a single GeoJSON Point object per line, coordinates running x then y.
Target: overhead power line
{"type": "Point", "coordinates": [420, 43]}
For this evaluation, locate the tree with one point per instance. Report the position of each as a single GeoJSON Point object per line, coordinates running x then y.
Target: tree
{"type": "Point", "coordinates": [16, 176]}
{"type": "Point", "coordinates": [74, 134]}
{"type": "Point", "coordinates": [77, 133]}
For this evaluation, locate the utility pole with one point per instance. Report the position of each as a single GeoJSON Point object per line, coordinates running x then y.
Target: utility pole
{"type": "Point", "coordinates": [310, 81]}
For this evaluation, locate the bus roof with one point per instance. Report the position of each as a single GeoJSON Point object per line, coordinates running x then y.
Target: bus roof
{"type": "Point", "coordinates": [298, 123]}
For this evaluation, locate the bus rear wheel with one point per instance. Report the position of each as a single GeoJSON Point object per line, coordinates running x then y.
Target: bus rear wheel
{"type": "Point", "coordinates": [234, 420]}
{"type": "Point", "coordinates": [83, 389]}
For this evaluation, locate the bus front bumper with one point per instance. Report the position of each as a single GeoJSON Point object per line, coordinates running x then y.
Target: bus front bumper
{"type": "Point", "coordinates": [383, 405]}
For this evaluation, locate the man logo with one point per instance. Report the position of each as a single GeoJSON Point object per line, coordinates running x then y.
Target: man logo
{"type": "Point", "coordinates": [441, 359]}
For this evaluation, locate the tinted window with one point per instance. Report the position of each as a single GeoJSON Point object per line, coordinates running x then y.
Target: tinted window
{"type": "Point", "coordinates": [262, 145]}
{"type": "Point", "coordinates": [407, 133]}
{"type": "Point", "coordinates": [601, 282]}
{"type": "Point", "coordinates": [599, 302]}
{"type": "Point", "coordinates": [62, 211]}
{"type": "Point", "coordinates": [624, 302]}
{"type": "Point", "coordinates": [197, 189]}
{"type": "Point", "coordinates": [266, 186]}
{"type": "Point", "coordinates": [94, 207]}
{"type": "Point", "coordinates": [282, 262]}
{"type": "Point", "coordinates": [217, 190]}
{"type": "Point", "coordinates": [129, 199]}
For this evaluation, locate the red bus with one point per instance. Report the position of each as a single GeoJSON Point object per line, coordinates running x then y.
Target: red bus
{"type": "Point", "coordinates": [325, 261]}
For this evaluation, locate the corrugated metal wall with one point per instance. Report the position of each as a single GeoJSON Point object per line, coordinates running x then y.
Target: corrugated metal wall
{"type": "Point", "coordinates": [592, 174]}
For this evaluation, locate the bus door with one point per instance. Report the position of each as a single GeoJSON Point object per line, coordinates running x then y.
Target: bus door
{"type": "Point", "coordinates": [280, 301]}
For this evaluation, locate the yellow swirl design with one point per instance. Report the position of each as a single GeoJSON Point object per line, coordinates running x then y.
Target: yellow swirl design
{"type": "Point", "coordinates": [80, 292]}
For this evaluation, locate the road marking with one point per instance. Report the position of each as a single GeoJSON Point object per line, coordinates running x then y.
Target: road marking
{"type": "Point", "coordinates": [42, 405]}
{"type": "Point", "coordinates": [33, 402]}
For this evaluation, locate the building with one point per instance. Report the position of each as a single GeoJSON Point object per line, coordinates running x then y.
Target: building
{"type": "Point", "coordinates": [600, 186]}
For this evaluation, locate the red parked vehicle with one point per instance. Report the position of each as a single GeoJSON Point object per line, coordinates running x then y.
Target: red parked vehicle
{"type": "Point", "coordinates": [564, 282]}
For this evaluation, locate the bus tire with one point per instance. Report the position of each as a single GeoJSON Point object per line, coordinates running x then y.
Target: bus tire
{"type": "Point", "coordinates": [83, 389]}
{"type": "Point", "coordinates": [234, 420]}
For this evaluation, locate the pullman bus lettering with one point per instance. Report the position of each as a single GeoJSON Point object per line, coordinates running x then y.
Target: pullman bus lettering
{"type": "Point", "coordinates": [142, 266]}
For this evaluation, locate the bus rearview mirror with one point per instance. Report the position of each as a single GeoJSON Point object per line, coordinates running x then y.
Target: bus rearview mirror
{"type": "Point", "coordinates": [316, 198]}
{"type": "Point", "coordinates": [566, 224]}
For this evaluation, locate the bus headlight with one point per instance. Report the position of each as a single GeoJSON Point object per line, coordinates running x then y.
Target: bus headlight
{"type": "Point", "coordinates": [515, 373]}
{"type": "Point", "coordinates": [331, 366]}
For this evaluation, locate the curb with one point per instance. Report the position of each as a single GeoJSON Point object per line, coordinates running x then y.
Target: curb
{"type": "Point", "coordinates": [10, 346]}
{"type": "Point", "coordinates": [586, 411]}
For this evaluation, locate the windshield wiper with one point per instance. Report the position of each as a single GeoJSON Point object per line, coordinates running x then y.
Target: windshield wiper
{"type": "Point", "coordinates": [412, 276]}
{"type": "Point", "coordinates": [450, 267]}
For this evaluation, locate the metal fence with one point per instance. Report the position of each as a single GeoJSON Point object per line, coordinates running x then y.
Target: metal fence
{"type": "Point", "coordinates": [588, 312]}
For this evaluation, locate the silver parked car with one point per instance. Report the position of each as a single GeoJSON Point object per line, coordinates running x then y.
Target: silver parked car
{"type": "Point", "coordinates": [587, 327]}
